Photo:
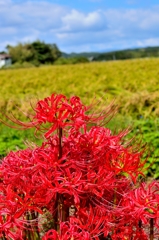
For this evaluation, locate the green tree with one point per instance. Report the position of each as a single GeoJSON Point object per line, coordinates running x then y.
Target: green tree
{"type": "Point", "coordinates": [55, 51]}
{"type": "Point", "coordinates": [37, 52]}
{"type": "Point", "coordinates": [20, 53]}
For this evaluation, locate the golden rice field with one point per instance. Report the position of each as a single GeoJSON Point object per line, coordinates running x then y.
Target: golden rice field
{"type": "Point", "coordinates": [133, 84]}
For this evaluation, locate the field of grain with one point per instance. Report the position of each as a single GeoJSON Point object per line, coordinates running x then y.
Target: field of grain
{"type": "Point", "coordinates": [133, 84]}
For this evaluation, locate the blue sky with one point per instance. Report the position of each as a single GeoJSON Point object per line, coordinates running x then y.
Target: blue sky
{"type": "Point", "coordinates": [80, 25]}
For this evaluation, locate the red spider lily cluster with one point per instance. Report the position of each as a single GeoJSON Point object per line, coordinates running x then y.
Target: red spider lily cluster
{"type": "Point", "coordinates": [82, 175]}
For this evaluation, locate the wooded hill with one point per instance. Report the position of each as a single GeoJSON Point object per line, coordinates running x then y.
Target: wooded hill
{"type": "Point", "coordinates": [116, 55]}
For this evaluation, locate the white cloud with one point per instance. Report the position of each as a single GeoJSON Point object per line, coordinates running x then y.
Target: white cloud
{"type": "Point", "coordinates": [76, 21]}
{"type": "Point", "coordinates": [74, 30]}
{"type": "Point", "coordinates": [148, 42]}
{"type": "Point", "coordinates": [123, 29]}
{"type": "Point", "coordinates": [28, 20]}
{"type": "Point", "coordinates": [150, 20]}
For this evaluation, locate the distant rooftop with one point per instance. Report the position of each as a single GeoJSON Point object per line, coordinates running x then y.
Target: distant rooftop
{"type": "Point", "coordinates": [4, 56]}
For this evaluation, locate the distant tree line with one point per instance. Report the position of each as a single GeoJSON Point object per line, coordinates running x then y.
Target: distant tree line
{"type": "Point", "coordinates": [37, 53]}
{"type": "Point", "coordinates": [128, 54]}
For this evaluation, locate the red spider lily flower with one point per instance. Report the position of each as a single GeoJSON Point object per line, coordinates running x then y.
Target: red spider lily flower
{"type": "Point", "coordinates": [141, 234]}
{"type": "Point", "coordinates": [129, 232]}
{"type": "Point", "coordinates": [51, 234]}
{"type": "Point", "coordinates": [85, 226]}
{"type": "Point", "coordinates": [98, 147]}
{"type": "Point", "coordinates": [122, 233]}
{"type": "Point", "coordinates": [93, 220]}
{"type": "Point", "coordinates": [68, 231]}
{"type": "Point", "coordinates": [73, 231]}
{"type": "Point", "coordinates": [12, 214]}
{"type": "Point", "coordinates": [143, 203]}
{"type": "Point", "coordinates": [32, 173]}
{"type": "Point", "coordinates": [61, 112]}
{"type": "Point", "coordinates": [87, 167]}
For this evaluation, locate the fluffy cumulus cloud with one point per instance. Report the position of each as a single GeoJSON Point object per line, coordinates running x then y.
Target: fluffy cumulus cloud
{"type": "Point", "coordinates": [28, 21]}
{"type": "Point", "coordinates": [76, 21]}
{"type": "Point", "coordinates": [113, 29]}
{"type": "Point", "coordinates": [76, 30]}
